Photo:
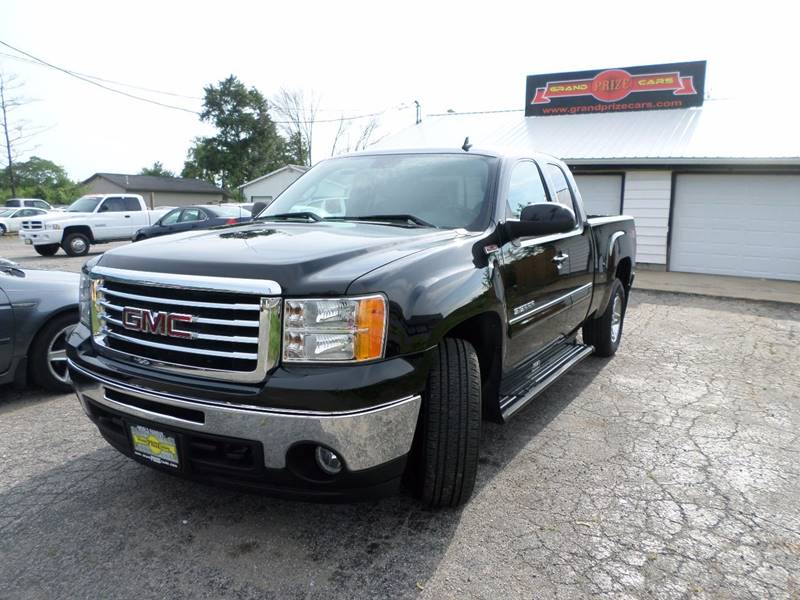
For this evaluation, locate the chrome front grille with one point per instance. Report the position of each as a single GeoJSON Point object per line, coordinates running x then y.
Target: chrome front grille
{"type": "Point", "coordinates": [32, 225]}
{"type": "Point", "coordinates": [211, 327]}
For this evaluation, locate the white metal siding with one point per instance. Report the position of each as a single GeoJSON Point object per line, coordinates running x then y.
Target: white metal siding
{"type": "Point", "coordinates": [271, 186]}
{"type": "Point", "coordinates": [746, 225]}
{"type": "Point", "coordinates": [600, 193]}
{"type": "Point", "coordinates": [646, 199]}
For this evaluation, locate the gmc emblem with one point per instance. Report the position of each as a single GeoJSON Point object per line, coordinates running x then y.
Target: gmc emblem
{"type": "Point", "coordinates": [157, 322]}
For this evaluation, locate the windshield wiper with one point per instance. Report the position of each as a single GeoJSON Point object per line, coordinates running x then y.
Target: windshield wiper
{"type": "Point", "coordinates": [408, 220]}
{"type": "Point", "coordinates": [307, 215]}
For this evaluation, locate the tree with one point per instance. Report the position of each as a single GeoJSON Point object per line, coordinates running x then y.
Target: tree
{"type": "Point", "coordinates": [343, 141]}
{"type": "Point", "coordinates": [15, 132]}
{"type": "Point", "coordinates": [247, 143]}
{"type": "Point", "coordinates": [40, 178]}
{"type": "Point", "coordinates": [298, 109]}
{"type": "Point", "coordinates": [157, 169]}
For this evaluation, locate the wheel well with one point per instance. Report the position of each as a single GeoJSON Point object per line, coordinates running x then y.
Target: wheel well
{"type": "Point", "coordinates": [69, 310]}
{"type": "Point", "coordinates": [623, 273]}
{"type": "Point", "coordinates": [84, 229]}
{"type": "Point", "coordinates": [484, 331]}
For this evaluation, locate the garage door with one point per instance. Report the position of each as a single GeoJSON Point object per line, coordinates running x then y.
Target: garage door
{"type": "Point", "coordinates": [746, 225]}
{"type": "Point", "coordinates": [601, 193]}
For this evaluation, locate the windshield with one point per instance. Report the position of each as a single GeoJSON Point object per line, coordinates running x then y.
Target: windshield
{"type": "Point", "coordinates": [444, 190]}
{"type": "Point", "coordinates": [7, 212]}
{"type": "Point", "coordinates": [231, 211]}
{"type": "Point", "coordinates": [85, 204]}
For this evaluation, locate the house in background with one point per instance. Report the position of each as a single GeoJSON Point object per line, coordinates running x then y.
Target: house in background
{"type": "Point", "coordinates": [267, 187]}
{"type": "Point", "coordinates": [157, 191]}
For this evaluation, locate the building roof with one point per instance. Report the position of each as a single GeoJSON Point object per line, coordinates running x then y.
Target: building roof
{"type": "Point", "coordinates": [299, 168]}
{"type": "Point", "coordinates": [720, 132]}
{"type": "Point", "coordinates": [155, 183]}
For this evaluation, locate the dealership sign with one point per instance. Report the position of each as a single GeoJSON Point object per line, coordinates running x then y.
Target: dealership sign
{"type": "Point", "coordinates": [653, 87]}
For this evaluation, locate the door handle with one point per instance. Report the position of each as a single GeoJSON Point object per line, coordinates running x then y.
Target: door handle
{"type": "Point", "coordinates": [560, 258]}
{"type": "Point", "coordinates": [127, 216]}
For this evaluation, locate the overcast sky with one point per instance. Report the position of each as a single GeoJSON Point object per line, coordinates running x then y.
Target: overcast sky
{"type": "Point", "coordinates": [361, 57]}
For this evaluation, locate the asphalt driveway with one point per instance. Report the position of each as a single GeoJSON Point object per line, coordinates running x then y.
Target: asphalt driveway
{"type": "Point", "coordinates": [670, 471]}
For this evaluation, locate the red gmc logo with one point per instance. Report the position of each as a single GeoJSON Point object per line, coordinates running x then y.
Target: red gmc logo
{"type": "Point", "coordinates": [157, 322]}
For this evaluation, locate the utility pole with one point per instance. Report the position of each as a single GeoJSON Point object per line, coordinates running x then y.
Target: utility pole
{"type": "Point", "coordinates": [4, 109]}
{"type": "Point", "coordinates": [419, 112]}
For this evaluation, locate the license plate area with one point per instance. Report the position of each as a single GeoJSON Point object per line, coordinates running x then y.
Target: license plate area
{"type": "Point", "coordinates": [155, 445]}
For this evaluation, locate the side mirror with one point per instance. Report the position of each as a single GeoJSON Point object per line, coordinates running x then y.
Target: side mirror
{"type": "Point", "coordinates": [545, 218]}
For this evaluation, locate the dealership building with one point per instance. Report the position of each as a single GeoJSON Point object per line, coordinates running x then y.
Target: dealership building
{"type": "Point", "coordinates": [714, 186]}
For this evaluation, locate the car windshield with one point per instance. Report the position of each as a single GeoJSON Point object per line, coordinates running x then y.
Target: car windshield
{"type": "Point", "coordinates": [230, 211]}
{"type": "Point", "coordinates": [84, 204]}
{"type": "Point", "coordinates": [441, 190]}
{"type": "Point", "coordinates": [7, 212]}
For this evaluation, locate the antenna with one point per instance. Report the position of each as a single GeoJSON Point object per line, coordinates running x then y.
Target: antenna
{"type": "Point", "coordinates": [466, 145]}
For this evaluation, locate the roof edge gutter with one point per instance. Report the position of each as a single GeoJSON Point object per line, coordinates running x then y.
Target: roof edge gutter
{"type": "Point", "coordinates": [789, 161]}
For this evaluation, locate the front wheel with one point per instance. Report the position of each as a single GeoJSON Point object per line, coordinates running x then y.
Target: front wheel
{"type": "Point", "coordinates": [46, 249]}
{"type": "Point", "coordinates": [48, 355]}
{"type": "Point", "coordinates": [450, 422]}
{"type": "Point", "coordinates": [3, 230]}
{"type": "Point", "coordinates": [605, 331]}
{"type": "Point", "coordinates": [76, 244]}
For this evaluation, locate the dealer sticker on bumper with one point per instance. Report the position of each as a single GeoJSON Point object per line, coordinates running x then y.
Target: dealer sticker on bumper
{"type": "Point", "coordinates": [154, 445]}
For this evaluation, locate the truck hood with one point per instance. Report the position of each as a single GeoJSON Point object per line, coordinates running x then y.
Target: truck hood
{"type": "Point", "coordinates": [304, 258]}
{"type": "Point", "coordinates": [58, 216]}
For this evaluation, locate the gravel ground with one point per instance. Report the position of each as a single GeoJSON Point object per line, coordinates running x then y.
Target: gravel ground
{"type": "Point", "coordinates": [12, 248]}
{"type": "Point", "coordinates": [670, 471]}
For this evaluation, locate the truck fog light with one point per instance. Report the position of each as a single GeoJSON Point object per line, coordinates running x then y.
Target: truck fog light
{"type": "Point", "coordinates": [328, 461]}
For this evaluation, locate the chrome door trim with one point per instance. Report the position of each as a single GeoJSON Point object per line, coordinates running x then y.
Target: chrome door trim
{"type": "Point", "coordinates": [234, 285]}
{"type": "Point", "coordinates": [580, 292]}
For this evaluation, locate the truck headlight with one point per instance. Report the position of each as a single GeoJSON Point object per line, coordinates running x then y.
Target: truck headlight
{"type": "Point", "coordinates": [52, 226]}
{"type": "Point", "coordinates": [87, 303]}
{"type": "Point", "coordinates": [334, 329]}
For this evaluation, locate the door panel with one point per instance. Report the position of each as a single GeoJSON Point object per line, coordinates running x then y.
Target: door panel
{"type": "Point", "coordinates": [6, 332]}
{"type": "Point", "coordinates": [537, 295]}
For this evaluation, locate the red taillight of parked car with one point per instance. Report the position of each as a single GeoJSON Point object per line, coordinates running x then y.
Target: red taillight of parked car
{"type": "Point", "coordinates": [230, 221]}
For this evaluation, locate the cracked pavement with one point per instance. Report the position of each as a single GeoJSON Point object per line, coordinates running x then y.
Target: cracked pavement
{"type": "Point", "coordinates": [669, 471]}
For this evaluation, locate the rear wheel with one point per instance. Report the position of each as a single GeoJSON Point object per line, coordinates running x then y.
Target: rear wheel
{"type": "Point", "coordinates": [76, 244]}
{"type": "Point", "coordinates": [605, 331]}
{"type": "Point", "coordinates": [48, 355]}
{"type": "Point", "coordinates": [46, 249]}
{"type": "Point", "coordinates": [450, 424]}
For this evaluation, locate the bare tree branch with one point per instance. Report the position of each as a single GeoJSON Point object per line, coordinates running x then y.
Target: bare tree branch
{"type": "Point", "coordinates": [16, 132]}
{"type": "Point", "coordinates": [299, 108]}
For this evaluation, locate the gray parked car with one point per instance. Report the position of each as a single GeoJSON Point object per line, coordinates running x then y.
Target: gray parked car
{"type": "Point", "coordinates": [38, 311]}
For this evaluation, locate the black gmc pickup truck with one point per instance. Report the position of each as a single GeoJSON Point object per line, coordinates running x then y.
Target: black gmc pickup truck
{"type": "Point", "coordinates": [356, 333]}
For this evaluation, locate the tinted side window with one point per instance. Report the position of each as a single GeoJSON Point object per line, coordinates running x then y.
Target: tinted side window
{"type": "Point", "coordinates": [524, 188]}
{"type": "Point", "coordinates": [171, 217]}
{"type": "Point", "coordinates": [13, 203]}
{"type": "Point", "coordinates": [40, 204]}
{"type": "Point", "coordinates": [131, 204]}
{"type": "Point", "coordinates": [563, 195]}
{"type": "Point", "coordinates": [112, 205]}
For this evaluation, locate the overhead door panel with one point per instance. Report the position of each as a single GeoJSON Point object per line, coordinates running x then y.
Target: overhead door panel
{"type": "Point", "coordinates": [745, 225]}
{"type": "Point", "coordinates": [601, 193]}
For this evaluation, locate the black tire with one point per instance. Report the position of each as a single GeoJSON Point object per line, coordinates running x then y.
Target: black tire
{"type": "Point", "coordinates": [47, 249]}
{"type": "Point", "coordinates": [38, 359]}
{"type": "Point", "coordinates": [599, 332]}
{"type": "Point", "coordinates": [76, 244]}
{"type": "Point", "coordinates": [2, 230]}
{"type": "Point", "coordinates": [450, 424]}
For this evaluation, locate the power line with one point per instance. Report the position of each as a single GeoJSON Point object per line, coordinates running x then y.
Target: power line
{"type": "Point", "coordinates": [96, 78]}
{"type": "Point", "coordinates": [98, 84]}
{"type": "Point", "coordinates": [476, 112]}
{"type": "Point", "coordinates": [96, 81]}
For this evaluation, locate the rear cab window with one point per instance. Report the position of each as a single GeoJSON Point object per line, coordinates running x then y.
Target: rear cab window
{"type": "Point", "coordinates": [132, 204]}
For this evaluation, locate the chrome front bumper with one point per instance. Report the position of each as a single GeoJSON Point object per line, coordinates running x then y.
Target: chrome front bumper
{"type": "Point", "coordinates": [363, 439]}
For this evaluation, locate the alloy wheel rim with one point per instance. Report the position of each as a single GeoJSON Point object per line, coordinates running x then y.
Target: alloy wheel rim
{"type": "Point", "coordinates": [616, 318]}
{"type": "Point", "coordinates": [57, 355]}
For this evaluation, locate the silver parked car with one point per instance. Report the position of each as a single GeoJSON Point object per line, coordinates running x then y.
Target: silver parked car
{"type": "Point", "coordinates": [38, 311]}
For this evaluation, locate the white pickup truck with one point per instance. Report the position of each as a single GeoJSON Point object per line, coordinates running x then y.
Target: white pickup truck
{"type": "Point", "coordinates": [89, 220]}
